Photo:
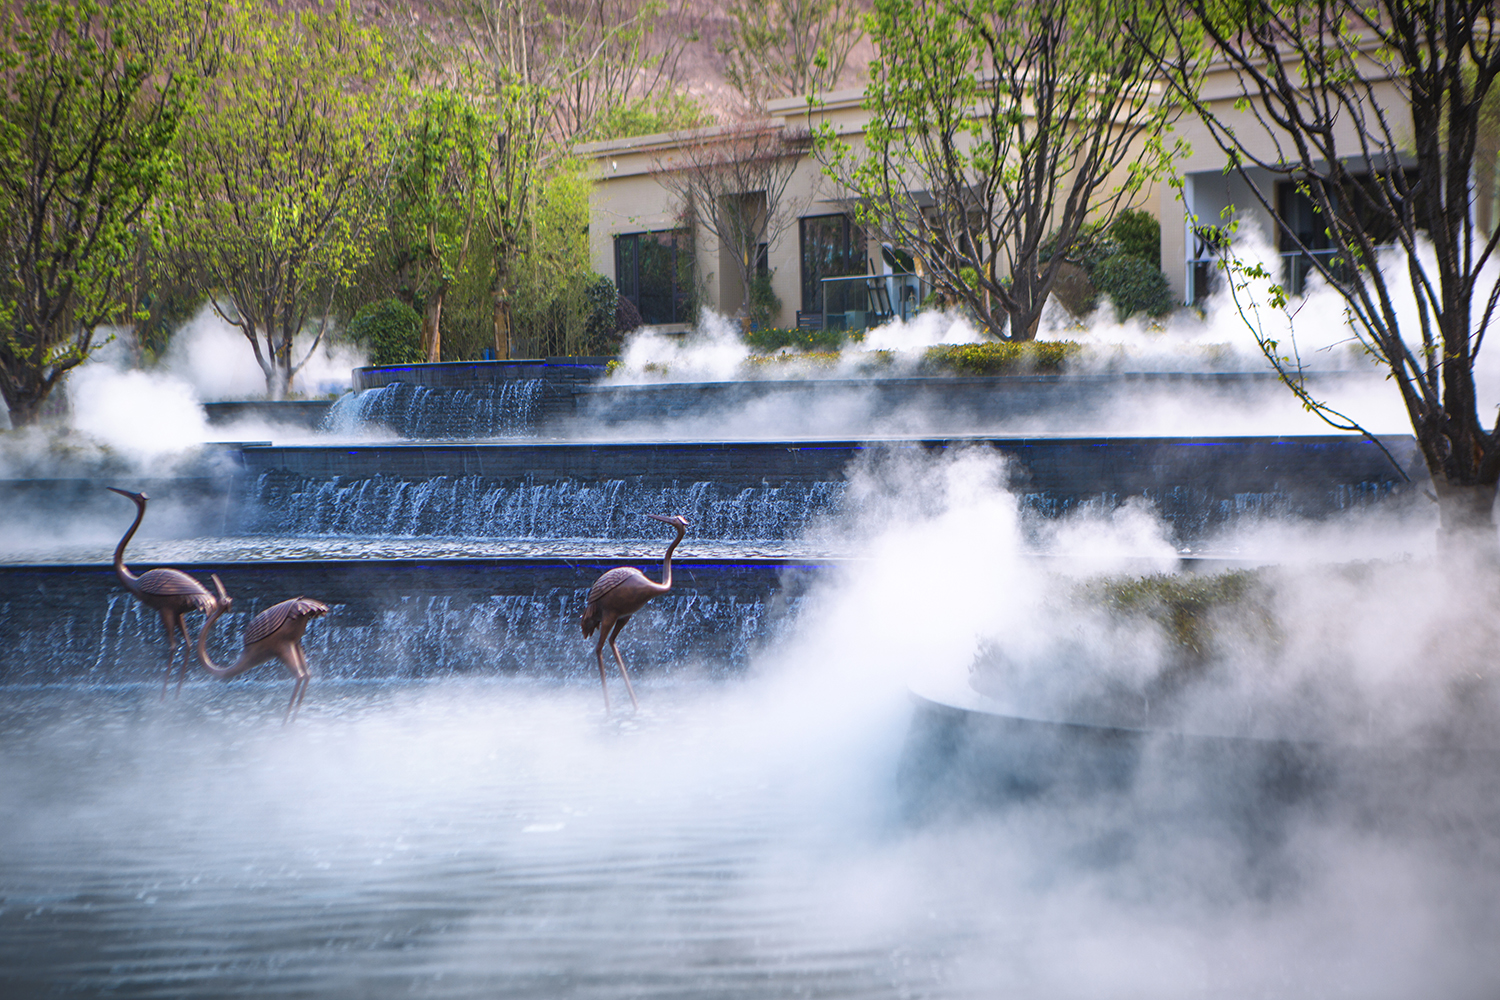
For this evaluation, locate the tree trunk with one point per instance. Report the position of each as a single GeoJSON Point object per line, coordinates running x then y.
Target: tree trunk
{"type": "Point", "coordinates": [1466, 530]}
{"type": "Point", "coordinates": [432, 335]}
{"type": "Point", "coordinates": [25, 410]}
{"type": "Point", "coordinates": [501, 314]}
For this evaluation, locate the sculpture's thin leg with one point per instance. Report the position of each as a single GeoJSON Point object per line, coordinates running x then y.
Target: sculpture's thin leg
{"type": "Point", "coordinates": [166, 621]}
{"type": "Point", "coordinates": [599, 656]}
{"type": "Point", "coordinates": [187, 650]}
{"type": "Point", "coordinates": [298, 667]}
{"type": "Point", "coordinates": [620, 660]}
{"type": "Point", "coordinates": [306, 676]}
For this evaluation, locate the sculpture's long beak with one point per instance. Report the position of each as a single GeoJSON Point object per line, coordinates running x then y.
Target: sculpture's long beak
{"type": "Point", "coordinates": [659, 517]}
{"type": "Point", "coordinates": [127, 494]}
{"type": "Point", "coordinates": [224, 599]}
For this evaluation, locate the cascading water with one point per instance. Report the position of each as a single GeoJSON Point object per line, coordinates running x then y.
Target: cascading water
{"type": "Point", "coordinates": [506, 409]}
{"type": "Point", "coordinates": [282, 504]}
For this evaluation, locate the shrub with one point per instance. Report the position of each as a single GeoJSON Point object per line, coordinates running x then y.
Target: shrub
{"type": "Point", "coordinates": [769, 340]}
{"type": "Point", "coordinates": [1196, 613]}
{"type": "Point", "coordinates": [1138, 234]}
{"type": "Point", "coordinates": [765, 304]}
{"type": "Point", "coordinates": [999, 358]}
{"type": "Point", "coordinates": [1134, 285]}
{"type": "Point", "coordinates": [390, 330]}
{"type": "Point", "coordinates": [603, 303]}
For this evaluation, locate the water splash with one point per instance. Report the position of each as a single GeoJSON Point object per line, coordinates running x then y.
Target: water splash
{"type": "Point", "coordinates": [506, 409]}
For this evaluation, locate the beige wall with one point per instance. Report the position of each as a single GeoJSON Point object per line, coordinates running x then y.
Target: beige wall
{"type": "Point", "coordinates": [626, 198]}
{"type": "Point", "coordinates": [1208, 189]}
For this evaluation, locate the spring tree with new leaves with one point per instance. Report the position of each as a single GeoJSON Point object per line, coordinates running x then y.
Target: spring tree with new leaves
{"type": "Point", "coordinates": [92, 97]}
{"type": "Point", "coordinates": [1384, 115]}
{"type": "Point", "coordinates": [283, 173]}
{"type": "Point", "coordinates": [997, 126]}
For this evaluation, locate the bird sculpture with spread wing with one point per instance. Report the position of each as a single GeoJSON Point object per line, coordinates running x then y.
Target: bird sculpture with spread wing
{"type": "Point", "coordinates": [274, 633]}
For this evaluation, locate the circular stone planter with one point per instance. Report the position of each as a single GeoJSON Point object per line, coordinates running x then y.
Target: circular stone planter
{"type": "Point", "coordinates": [967, 752]}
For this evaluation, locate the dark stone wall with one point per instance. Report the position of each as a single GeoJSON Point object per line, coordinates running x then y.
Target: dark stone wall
{"type": "Point", "coordinates": [296, 412]}
{"type": "Point", "coordinates": [571, 389]}
{"type": "Point", "coordinates": [402, 618]}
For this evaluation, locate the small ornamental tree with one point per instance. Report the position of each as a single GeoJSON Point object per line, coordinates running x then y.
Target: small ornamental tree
{"type": "Point", "coordinates": [277, 203]}
{"type": "Point", "coordinates": [994, 124]}
{"type": "Point", "coordinates": [91, 99]}
{"type": "Point", "coordinates": [732, 181]}
{"type": "Point", "coordinates": [1376, 112]}
{"type": "Point", "coordinates": [438, 192]}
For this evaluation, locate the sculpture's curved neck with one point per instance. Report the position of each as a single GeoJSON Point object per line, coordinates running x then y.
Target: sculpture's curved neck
{"type": "Point", "coordinates": [121, 570]}
{"type": "Point", "coordinates": [203, 657]}
{"type": "Point", "coordinates": [666, 564]}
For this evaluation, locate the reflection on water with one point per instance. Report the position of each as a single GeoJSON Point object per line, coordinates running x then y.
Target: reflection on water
{"type": "Point", "coordinates": [468, 839]}
{"type": "Point", "coordinates": [399, 841]}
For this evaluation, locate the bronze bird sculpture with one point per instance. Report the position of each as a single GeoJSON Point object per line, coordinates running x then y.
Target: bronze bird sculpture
{"type": "Point", "coordinates": [170, 592]}
{"type": "Point", "coordinates": [616, 596]}
{"type": "Point", "coordinates": [274, 633]}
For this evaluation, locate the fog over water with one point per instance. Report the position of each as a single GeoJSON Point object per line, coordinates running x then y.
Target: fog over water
{"type": "Point", "coordinates": [754, 836]}
{"type": "Point", "coordinates": [747, 837]}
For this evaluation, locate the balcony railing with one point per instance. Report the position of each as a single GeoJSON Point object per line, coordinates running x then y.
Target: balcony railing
{"type": "Point", "coordinates": [859, 302]}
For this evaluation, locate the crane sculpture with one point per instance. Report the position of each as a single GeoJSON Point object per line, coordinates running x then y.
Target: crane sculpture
{"type": "Point", "coordinates": [170, 592]}
{"type": "Point", "coordinates": [617, 595]}
{"type": "Point", "coordinates": [275, 632]}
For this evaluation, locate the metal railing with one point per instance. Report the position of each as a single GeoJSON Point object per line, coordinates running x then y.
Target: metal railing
{"type": "Point", "coordinates": [859, 302]}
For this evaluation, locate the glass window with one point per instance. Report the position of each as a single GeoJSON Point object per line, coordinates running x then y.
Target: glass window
{"type": "Point", "coordinates": [832, 246]}
{"type": "Point", "coordinates": [654, 271]}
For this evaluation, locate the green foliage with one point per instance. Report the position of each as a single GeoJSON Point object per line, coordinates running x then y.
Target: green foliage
{"type": "Point", "coordinates": [1092, 244]}
{"type": "Point", "coordinates": [999, 358]}
{"type": "Point", "coordinates": [1133, 285]}
{"type": "Point", "coordinates": [391, 331]}
{"type": "Point", "coordinates": [437, 197]}
{"type": "Point", "coordinates": [647, 116]}
{"type": "Point", "coordinates": [603, 300]}
{"type": "Point", "coordinates": [278, 201]}
{"type": "Point", "coordinates": [770, 339]}
{"type": "Point", "coordinates": [1191, 609]}
{"type": "Point", "coordinates": [1138, 234]}
{"type": "Point", "coordinates": [765, 304]}
{"type": "Point", "coordinates": [92, 97]}
{"type": "Point", "coordinates": [983, 110]}
{"type": "Point", "coordinates": [552, 290]}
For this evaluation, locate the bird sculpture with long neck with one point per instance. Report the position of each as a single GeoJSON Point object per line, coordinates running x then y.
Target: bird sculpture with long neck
{"type": "Point", "coordinates": [274, 633]}
{"type": "Point", "coordinates": [170, 592]}
{"type": "Point", "coordinates": [617, 595]}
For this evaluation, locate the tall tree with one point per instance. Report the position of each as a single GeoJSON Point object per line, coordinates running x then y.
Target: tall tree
{"type": "Point", "coordinates": [554, 71]}
{"type": "Point", "coordinates": [997, 127]}
{"type": "Point", "coordinates": [277, 201]}
{"type": "Point", "coordinates": [598, 56]}
{"type": "Point", "coordinates": [1375, 111]}
{"type": "Point", "coordinates": [789, 48]}
{"type": "Point", "coordinates": [733, 182]}
{"type": "Point", "coordinates": [91, 99]}
{"type": "Point", "coordinates": [438, 196]}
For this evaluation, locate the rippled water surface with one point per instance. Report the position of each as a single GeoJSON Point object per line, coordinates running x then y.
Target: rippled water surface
{"type": "Point", "coordinates": [467, 839]}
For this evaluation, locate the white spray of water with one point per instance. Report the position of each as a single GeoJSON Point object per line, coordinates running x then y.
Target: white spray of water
{"type": "Point", "coordinates": [218, 361]}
